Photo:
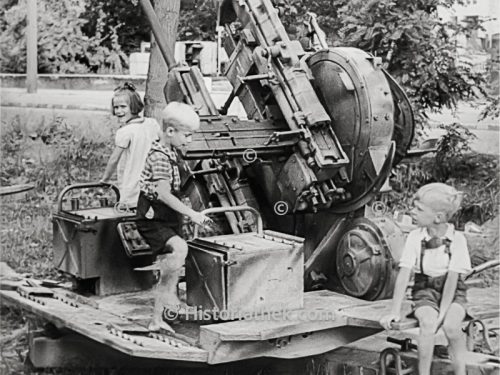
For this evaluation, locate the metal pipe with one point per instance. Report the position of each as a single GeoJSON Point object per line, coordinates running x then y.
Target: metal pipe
{"type": "Point", "coordinates": [482, 267]}
{"type": "Point", "coordinates": [213, 210]}
{"type": "Point", "coordinates": [158, 33]}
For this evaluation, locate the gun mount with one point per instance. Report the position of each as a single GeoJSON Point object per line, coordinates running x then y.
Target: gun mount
{"type": "Point", "coordinates": [324, 128]}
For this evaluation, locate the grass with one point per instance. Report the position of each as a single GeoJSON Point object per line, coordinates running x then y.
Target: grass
{"type": "Point", "coordinates": [26, 235]}
{"type": "Point", "coordinates": [50, 156]}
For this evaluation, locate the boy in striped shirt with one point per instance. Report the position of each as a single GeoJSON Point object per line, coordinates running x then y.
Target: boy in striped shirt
{"type": "Point", "coordinates": [159, 206]}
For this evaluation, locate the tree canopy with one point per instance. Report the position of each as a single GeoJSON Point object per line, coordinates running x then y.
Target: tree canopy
{"type": "Point", "coordinates": [421, 47]}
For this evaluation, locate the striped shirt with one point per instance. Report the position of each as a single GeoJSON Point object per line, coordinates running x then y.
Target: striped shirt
{"type": "Point", "coordinates": [161, 164]}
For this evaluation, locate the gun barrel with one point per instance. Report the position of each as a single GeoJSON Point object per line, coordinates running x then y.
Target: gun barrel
{"type": "Point", "coordinates": [158, 33]}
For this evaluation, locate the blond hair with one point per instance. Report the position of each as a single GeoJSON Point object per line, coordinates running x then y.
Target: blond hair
{"type": "Point", "coordinates": [440, 198]}
{"type": "Point", "coordinates": [180, 116]}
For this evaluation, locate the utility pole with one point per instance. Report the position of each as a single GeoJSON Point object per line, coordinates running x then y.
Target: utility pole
{"type": "Point", "coordinates": [31, 48]}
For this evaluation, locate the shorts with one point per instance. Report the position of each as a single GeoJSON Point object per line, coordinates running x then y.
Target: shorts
{"type": "Point", "coordinates": [156, 234]}
{"type": "Point", "coordinates": [157, 223]}
{"type": "Point", "coordinates": [427, 291]}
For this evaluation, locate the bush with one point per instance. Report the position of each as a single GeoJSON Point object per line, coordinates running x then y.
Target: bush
{"type": "Point", "coordinates": [62, 45]}
{"type": "Point", "coordinates": [450, 148]}
{"type": "Point", "coordinates": [476, 175]}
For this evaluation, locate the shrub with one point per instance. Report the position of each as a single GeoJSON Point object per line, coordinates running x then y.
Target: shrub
{"type": "Point", "coordinates": [450, 148]}
{"type": "Point", "coordinates": [62, 45]}
{"type": "Point", "coordinates": [476, 175]}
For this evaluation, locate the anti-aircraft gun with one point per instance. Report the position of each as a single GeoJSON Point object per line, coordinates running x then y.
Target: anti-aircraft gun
{"type": "Point", "coordinates": [324, 128]}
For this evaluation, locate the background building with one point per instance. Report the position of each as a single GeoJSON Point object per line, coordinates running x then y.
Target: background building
{"type": "Point", "coordinates": [478, 50]}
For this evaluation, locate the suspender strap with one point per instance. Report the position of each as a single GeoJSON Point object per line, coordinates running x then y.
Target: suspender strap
{"type": "Point", "coordinates": [423, 248]}
{"type": "Point", "coordinates": [447, 243]}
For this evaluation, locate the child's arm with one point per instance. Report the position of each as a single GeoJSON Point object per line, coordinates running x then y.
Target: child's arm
{"type": "Point", "coordinates": [450, 286]}
{"type": "Point", "coordinates": [175, 203]}
{"type": "Point", "coordinates": [397, 298]}
{"type": "Point", "coordinates": [112, 163]}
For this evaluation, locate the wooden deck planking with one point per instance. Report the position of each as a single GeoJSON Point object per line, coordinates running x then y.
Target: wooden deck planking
{"type": "Point", "coordinates": [93, 324]}
{"type": "Point", "coordinates": [348, 319]}
{"type": "Point", "coordinates": [369, 315]}
{"type": "Point", "coordinates": [289, 347]}
{"type": "Point", "coordinates": [483, 303]}
{"type": "Point", "coordinates": [138, 307]}
{"type": "Point", "coordinates": [320, 312]}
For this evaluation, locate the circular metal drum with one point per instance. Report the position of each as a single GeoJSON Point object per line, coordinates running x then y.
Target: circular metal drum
{"type": "Point", "coordinates": [368, 111]}
{"type": "Point", "coordinates": [367, 257]}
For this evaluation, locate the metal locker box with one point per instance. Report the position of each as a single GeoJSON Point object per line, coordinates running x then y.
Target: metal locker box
{"type": "Point", "coordinates": [255, 272]}
{"type": "Point", "coordinates": [87, 246]}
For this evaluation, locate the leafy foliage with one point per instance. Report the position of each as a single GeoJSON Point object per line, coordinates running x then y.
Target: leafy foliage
{"type": "Point", "coordinates": [63, 47]}
{"type": "Point", "coordinates": [474, 174]}
{"type": "Point", "coordinates": [124, 19]}
{"type": "Point", "coordinates": [453, 145]}
{"type": "Point", "coordinates": [197, 20]}
{"type": "Point", "coordinates": [492, 109]}
{"type": "Point", "coordinates": [420, 45]}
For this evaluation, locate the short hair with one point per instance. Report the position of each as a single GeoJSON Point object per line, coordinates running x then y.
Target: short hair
{"type": "Point", "coordinates": [440, 198]}
{"type": "Point", "coordinates": [129, 91]}
{"type": "Point", "coordinates": [180, 116]}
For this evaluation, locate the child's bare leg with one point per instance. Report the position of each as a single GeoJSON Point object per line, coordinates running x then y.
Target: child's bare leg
{"type": "Point", "coordinates": [427, 320]}
{"type": "Point", "coordinates": [159, 290]}
{"type": "Point", "coordinates": [166, 289]}
{"type": "Point", "coordinates": [452, 327]}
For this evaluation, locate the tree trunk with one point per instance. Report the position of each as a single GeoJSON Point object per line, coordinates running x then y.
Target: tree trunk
{"type": "Point", "coordinates": [168, 15]}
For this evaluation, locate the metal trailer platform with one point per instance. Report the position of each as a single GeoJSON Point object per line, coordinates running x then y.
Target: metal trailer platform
{"type": "Point", "coordinates": [116, 325]}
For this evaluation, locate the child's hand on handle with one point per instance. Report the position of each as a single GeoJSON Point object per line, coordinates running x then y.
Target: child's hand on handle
{"type": "Point", "coordinates": [200, 219]}
{"type": "Point", "coordinates": [387, 320]}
